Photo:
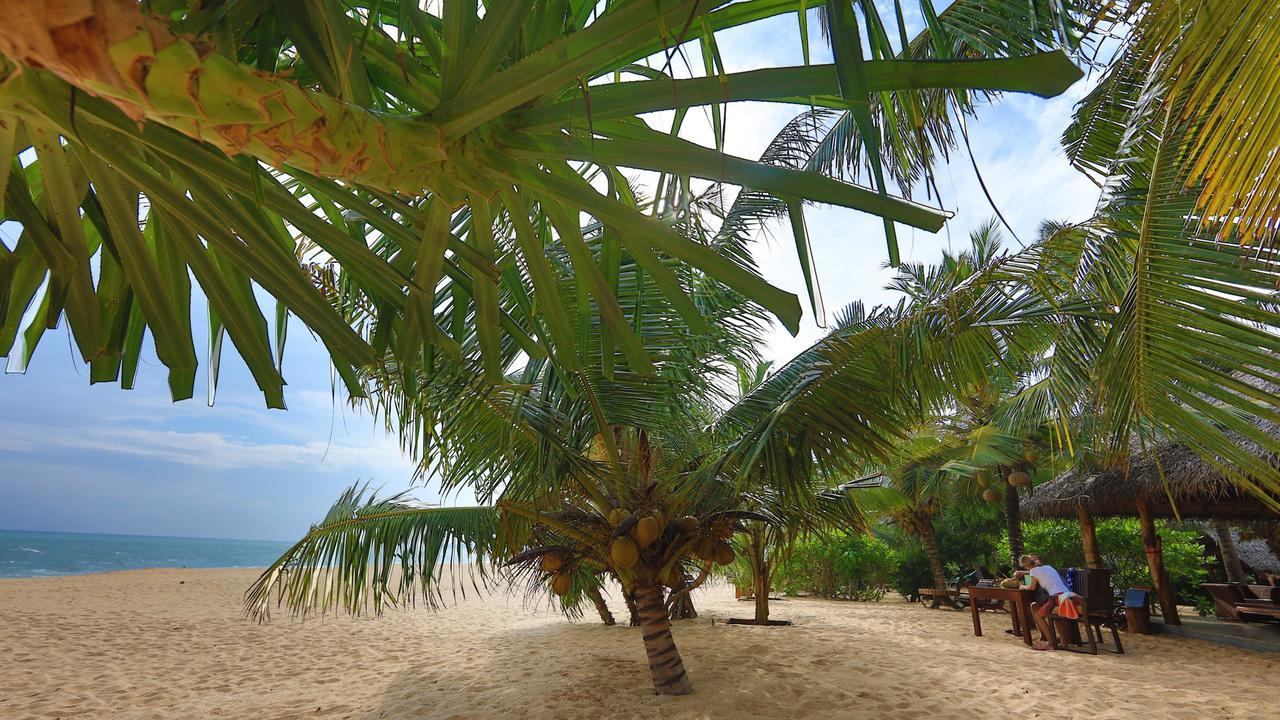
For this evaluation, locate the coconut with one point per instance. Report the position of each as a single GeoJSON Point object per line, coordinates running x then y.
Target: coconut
{"type": "Point", "coordinates": [723, 553]}
{"type": "Point", "coordinates": [647, 531]}
{"type": "Point", "coordinates": [687, 524]}
{"type": "Point", "coordinates": [617, 515]}
{"type": "Point", "coordinates": [1030, 455]}
{"type": "Point", "coordinates": [552, 561]}
{"type": "Point", "coordinates": [1019, 478]}
{"type": "Point", "coordinates": [662, 520]}
{"type": "Point", "coordinates": [624, 553]}
{"type": "Point", "coordinates": [596, 450]}
{"type": "Point", "coordinates": [561, 583]}
{"type": "Point", "coordinates": [991, 495]}
{"type": "Point", "coordinates": [705, 548]}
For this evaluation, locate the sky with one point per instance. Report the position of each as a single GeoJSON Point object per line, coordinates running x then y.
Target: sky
{"type": "Point", "coordinates": [81, 458]}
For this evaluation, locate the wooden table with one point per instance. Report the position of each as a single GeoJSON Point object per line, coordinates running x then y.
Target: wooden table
{"type": "Point", "coordinates": [1019, 600]}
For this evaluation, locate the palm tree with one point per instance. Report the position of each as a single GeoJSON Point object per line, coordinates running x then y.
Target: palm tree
{"type": "Point", "coordinates": [369, 147]}
{"type": "Point", "coordinates": [584, 470]}
{"type": "Point", "coordinates": [1181, 254]}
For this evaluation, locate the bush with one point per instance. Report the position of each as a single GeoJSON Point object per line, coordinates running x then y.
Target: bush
{"type": "Point", "coordinates": [844, 565]}
{"type": "Point", "coordinates": [1057, 542]}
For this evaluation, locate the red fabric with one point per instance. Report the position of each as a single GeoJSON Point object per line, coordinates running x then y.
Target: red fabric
{"type": "Point", "coordinates": [1068, 609]}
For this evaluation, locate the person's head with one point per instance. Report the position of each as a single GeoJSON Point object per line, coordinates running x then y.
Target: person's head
{"type": "Point", "coordinates": [1028, 561]}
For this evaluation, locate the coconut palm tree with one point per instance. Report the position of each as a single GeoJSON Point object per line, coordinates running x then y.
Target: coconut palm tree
{"type": "Point", "coordinates": [1181, 253]}
{"type": "Point", "coordinates": [591, 469]}
{"type": "Point", "coordinates": [241, 148]}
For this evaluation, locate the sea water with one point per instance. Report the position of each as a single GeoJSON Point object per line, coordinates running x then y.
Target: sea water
{"type": "Point", "coordinates": [36, 554]}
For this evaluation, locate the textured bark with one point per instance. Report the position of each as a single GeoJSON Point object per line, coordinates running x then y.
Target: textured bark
{"type": "Point", "coordinates": [110, 49]}
{"type": "Point", "coordinates": [683, 608]}
{"type": "Point", "coordinates": [1012, 520]}
{"type": "Point", "coordinates": [1089, 539]}
{"type": "Point", "coordinates": [632, 610]}
{"type": "Point", "coordinates": [924, 524]}
{"type": "Point", "coordinates": [760, 587]}
{"type": "Point", "coordinates": [1227, 549]}
{"type": "Point", "coordinates": [760, 572]}
{"type": "Point", "coordinates": [665, 664]}
{"type": "Point", "coordinates": [1155, 563]}
{"type": "Point", "coordinates": [601, 606]}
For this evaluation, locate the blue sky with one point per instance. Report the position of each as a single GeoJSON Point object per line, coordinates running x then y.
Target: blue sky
{"type": "Point", "coordinates": [99, 459]}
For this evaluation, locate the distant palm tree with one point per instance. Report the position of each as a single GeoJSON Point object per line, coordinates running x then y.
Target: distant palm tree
{"type": "Point", "coordinates": [1180, 258]}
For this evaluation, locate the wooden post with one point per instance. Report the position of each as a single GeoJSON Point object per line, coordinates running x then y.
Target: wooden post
{"type": "Point", "coordinates": [1089, 538]}
{"type": "Point", "coordinates": [1012, 519]}
{"type": "Point", "coordinates": [1155, 562]}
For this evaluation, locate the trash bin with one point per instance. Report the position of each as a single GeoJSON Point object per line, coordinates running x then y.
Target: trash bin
{"type": "Point", "coordinates": [1137, 611]}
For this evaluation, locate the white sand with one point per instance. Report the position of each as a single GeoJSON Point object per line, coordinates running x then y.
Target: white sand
{"type": "Point", "coordinates": [171, 644]}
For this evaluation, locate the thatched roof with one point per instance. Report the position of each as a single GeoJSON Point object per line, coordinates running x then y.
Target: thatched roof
{"type": "Point", "coordinates": [1199, 490]}
{"type": "Point", "coordinates": [1256, 554]}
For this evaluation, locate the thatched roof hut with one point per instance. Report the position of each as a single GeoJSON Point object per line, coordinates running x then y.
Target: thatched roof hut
{"type": "Point", "coordinates": [1198, 489]}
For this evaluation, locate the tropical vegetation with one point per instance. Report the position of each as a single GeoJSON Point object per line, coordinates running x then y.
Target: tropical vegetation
{"type": "Point", "coordinates": [441, 196]}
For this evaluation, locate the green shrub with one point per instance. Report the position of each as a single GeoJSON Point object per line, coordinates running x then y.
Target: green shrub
{"type": "Point", "coordinates": [1057, 542]}
{"type": "Point", "coordinates": [845, 565]}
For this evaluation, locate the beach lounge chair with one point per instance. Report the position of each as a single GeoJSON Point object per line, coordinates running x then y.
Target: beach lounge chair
{"type": "Point", "coordinates": [1238, 603]}
{"type": "Point", "coordinates": [1094, 585]}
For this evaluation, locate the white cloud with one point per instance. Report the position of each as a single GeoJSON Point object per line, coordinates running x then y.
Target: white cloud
{"type": "Point", "coordinates": [211, 450]}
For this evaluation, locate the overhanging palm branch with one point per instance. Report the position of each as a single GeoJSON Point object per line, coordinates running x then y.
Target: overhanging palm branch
{"type": "Point", "coordinates": [244, 143]}
{"type": "Point", "coordinates": [370, 552]}
{"type": "Point", "coordinates": [915, 130]}
{"type": "Point", "coordinates": [1184, 234]}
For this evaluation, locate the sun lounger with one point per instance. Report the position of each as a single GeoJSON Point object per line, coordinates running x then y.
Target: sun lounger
{"type": "Point", "coordinates": [1236, 602]}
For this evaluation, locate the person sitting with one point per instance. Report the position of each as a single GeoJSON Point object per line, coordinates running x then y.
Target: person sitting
{"type": "Point", "coordinates": [1057, 594]}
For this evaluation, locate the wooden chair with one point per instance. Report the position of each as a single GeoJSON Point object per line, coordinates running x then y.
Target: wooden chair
{"type": "Point", "coordinates": [1094, 585]}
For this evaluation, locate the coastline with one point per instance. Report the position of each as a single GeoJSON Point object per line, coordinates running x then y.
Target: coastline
{"type": "Point", "coordinates": [172, 643]}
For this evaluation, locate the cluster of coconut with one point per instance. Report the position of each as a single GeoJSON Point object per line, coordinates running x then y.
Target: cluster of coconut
{"type": "Point", "coordinates": [556, 566]}
{"type": "Point", "coordinates": [633, 534]}
{"type": "Point", "coordinates": [1017, 478]}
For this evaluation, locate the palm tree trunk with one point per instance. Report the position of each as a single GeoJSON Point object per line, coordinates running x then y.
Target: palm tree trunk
{"type": "Point", "coordinates": [1012, 519]}
{"type": "Point", "coordinates": [665, 665]}
{"type": "Point", "coordinates": [1227, 548]}
{"type": "Point", "coordinates": [924, 525]}
{"type": "Point", "coordinates": [632, 610]}
{"type": "Point", "coordinates": [759, 577]}
{"type": "Point", "coordinates": [601, 606]}
{"type": "Point", "coordinates": [760, 587]}
{"type": "Point", "coordinates": [683, 608]}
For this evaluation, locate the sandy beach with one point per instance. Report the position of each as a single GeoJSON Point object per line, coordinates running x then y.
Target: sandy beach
{"type": "Point", "coordinates": [172, 644]}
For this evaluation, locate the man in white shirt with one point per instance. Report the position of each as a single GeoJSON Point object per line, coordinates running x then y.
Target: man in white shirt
{"type": "Point", "coordinates": [1044, 576]}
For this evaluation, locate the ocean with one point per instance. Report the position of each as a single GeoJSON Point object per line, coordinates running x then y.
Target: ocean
{"type": "Point", "coordinates": [40, 554]}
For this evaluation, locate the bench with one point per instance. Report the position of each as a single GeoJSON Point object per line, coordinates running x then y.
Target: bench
{"type": "Point", "coordinates": [1269, 610]}
{"type": "Point", "coordinates": [937, 595]}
